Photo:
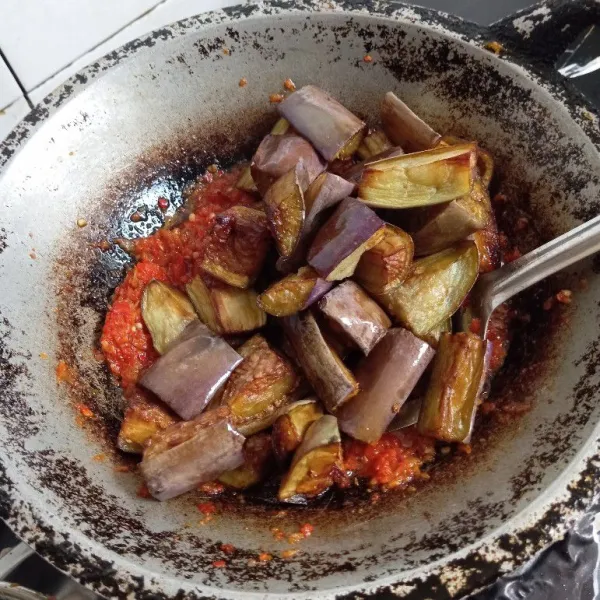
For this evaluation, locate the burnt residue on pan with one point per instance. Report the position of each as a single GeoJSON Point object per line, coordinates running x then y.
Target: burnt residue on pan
{"type": "Point", "coordinates": [85, 288]}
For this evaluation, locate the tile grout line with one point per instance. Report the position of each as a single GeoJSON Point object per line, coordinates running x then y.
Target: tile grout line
{"type": "Point", "coordinates": [17, 80]}
{"type": "Point", "coordinates": [100, 43]}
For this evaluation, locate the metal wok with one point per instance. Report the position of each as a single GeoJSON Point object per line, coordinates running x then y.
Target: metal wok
{"type": "Point", "coordinates": [147, 119]}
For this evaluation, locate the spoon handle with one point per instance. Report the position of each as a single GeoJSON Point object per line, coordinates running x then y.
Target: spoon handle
{"type": "Point", "coordinates": [546, 260]}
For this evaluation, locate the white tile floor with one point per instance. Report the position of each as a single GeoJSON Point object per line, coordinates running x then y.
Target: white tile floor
{"type": "Point", "coordinates": [47, 41]}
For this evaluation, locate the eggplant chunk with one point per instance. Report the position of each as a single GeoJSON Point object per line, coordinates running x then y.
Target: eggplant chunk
{"type": "Point", "coordinates": [186, 454]}
{"type": "Point", "coordinates": [166, 313]}
{"type": "Point", "coordinates": [237, 246]}
{"type": "Point", "coordinates": [245, 182]}
{"type": "Point", "coordinates": [315, 462]}
{"type": "Point", "coordinates": [226, 309]}
{"type": "Point", "coordinates": [435, 289]}
{"type": "Point", "coordinates": [279, 154]}
{"type": "Point", "coordinates": [433, 337]}
{"type": "Point", "coordinates": [360, 317]}
{"type": "Point", "coordinates": [450, 403]}
{"type": "Point", "coordinates": [325, 371]}
{"type": "Point", "coordinates": [352, 230]}
{"type": "Point", "coordinates": [294, 293]}
{"type": "Point", "coordinates": [258, 458]}
{"type": "Point", "coordinates": [485, 162]}
{"type": "Point", "coordinates": [373, 144]}
{"type": "Point", "coordinates": [408, 415]}
{"type": "Point", "coordinates": [386, 378]}
{"type": "Point", "coordinates": [291, 426]}
{"type": "Point", "coordinates": [404, 127]}
{"type": "Point", "coordinates": [281, 127]}
{"type": "Point", "coordinates": [354, 172]}
{"type": "Point", "coordinates": [388, 263]}
{"type": "Point", "coordinates": [259, 386]}
{"type": "Point", "coordinates": [450, 223]}
{"type": "Point", "coordinates": [488, 238]}
{"type": "Point", "coordinates": [330, 127]}
{"type": "Point", "coordinates": [190, 374]}
{"type": "Point", "coordinates": [284, 203]}
{"type": "Point", "coordinates": [324, 192]}
{"type": "Point", "coordinates": [420, 179]}
{"type": "Point", "coordinates": [144, 417]}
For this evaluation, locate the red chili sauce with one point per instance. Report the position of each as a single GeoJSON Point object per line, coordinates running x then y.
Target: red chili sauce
{"type": "Point", "coordinates": [396, 459]}
{"type": "Point", "coordinates": [170, 255]}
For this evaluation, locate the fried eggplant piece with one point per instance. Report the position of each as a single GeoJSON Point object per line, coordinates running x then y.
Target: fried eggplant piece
{"type": "Point", "coordinates": [237, 246]}
{"type": "Point", "coordinates": [435, 289]}
{"type": "Point", "coordinates": [226, 309]}
{"type": "Point", "coordinates": [246, 182]}
{"type": "Point", "coordinates": [259, 386]}
{"type": "Point", "coordinates": [325, 371]}
{"type": "Point", "coordinates": [448, 410]}
{"type": "Point", "coordinates": [294, 293]}
{"type": "Point", "coordinates": [360, 317]}
{"type": "Point", "coordinates": [291, 426]}
{"type": "Point", "coordinates": [404, 128]}
{"type": "Point", "coordinates": [324, 192]}
{"type": "Point", "coordinates": [374, 144]}
{"type": "Point", "coordinates": [281, 127]}
{"type": "Point", "coordinates": [284, 204]}
{"type": "Point", "coordinates": [388, 263]}
{"type": "Point", "coordinates": [353, 172]}
{"type": "Point", "coordinates": [186, 454]}
{"type": "Point", "coordinates": [279, 154]}
{"type": "Point", "coordinates": [450, 223]}
{"type": "Point", "coordinates": [420, 179]}
{"type": "Point", "coordinates": [330, 127]}
{"type": "Point", "coordinates": [166, 312]}
{"type": "Point", "coordinates": [488, 238]}
{"type": "Point", "coordinates": [191, 373]}
{"type": "Point", "coordinates": [144, 417]}
{"type": "Point", "coordinates": [352, 230]}
{"type": "Point", "coordinates": [258, 459]}
{"type": "Point", "coordinates": [433, 337]}
{"type": "Point", "coordinates": [315, 462]}
{"type": "Point", "coordinates": [386, 378]}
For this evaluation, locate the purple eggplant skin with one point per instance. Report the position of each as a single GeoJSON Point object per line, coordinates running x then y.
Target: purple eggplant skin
{"type": "Point", "coordinates": [330, 127]}
{"type": "Point", "coordinates": [360, 317]}
{"type": "Point", "coordinates": [386, 378]}
{"type": "Point", "coordinates": [404, 127]}
{"type": "Point", "coordinates": [285, 209]}
{"type": "Point", "coordinates": [191, 372]}
{"type": "Point", "coordinates": [351, 226]}
{"type": "Point", "coordinates": [278, 154]}
{"type": "Point", "coordinates": [188, 453]}
{"type": "Point", "coordinates": [324, 369]}
{"type": "Point", "coordinates": [324, 193]}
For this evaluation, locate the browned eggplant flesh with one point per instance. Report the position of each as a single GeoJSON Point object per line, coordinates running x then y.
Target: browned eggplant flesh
{"type": "Point", "coordinates": [259, 386]}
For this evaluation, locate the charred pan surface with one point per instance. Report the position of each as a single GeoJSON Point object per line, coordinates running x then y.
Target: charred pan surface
{"type": "Point", "coordinates": [90, 283]}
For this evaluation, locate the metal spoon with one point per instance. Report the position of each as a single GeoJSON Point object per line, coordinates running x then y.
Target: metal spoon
{"type": "Point", "coordinates": [492, 289]}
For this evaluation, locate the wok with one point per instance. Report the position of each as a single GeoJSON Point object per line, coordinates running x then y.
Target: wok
{"type": "Point", "coordinates": [147, 119]}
